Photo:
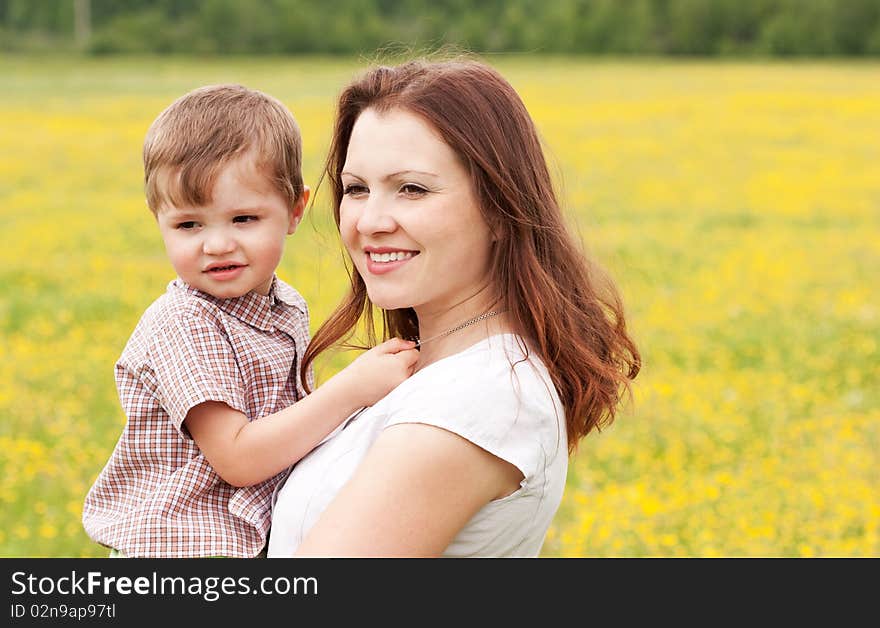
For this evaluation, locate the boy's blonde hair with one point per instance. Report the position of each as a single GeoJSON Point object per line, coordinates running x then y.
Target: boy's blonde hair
{"type": "Point", "coordinates": [198, 134]}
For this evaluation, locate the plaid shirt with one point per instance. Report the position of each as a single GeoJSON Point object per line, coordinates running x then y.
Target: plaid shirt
{"type": "Point", "coordinates": [158, 496]}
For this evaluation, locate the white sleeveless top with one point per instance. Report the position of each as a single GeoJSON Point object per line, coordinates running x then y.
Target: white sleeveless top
{"type": "Point", "coordinates": [489, 394]}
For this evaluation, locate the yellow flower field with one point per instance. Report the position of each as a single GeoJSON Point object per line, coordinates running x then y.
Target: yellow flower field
{"type": "Point", "coordinates": [737, 205]}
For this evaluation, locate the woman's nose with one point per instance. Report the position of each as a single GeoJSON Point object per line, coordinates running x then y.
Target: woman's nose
{"type": "Point", "coordinates": [376, 217]}
{"type": "Point", "coordinates": [218, 242]}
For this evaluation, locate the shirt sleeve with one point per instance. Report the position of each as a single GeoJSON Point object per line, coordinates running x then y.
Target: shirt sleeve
{"type": "Point", "coordinates": [303, 338]}
{"type": "Point", "coordinates": [297, 326]}
{"type": "Point", "coordinates": [511, 411]}
{"type": "Point", "coordinates": [193, 363]}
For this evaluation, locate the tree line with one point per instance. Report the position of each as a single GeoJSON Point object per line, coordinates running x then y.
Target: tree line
{"type": "Point", "coordinates": [644, 27]}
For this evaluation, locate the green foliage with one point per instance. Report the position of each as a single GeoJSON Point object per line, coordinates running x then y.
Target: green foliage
{"type": "Point", "coordinates": [653, 27]}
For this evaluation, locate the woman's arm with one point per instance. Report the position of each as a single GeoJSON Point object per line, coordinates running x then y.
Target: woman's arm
{"type": "Point", "coordinates": [414, 491]}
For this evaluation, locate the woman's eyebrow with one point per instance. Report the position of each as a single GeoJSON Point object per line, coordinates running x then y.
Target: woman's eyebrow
{"type": "Point", "coordinates": [393, 175]}
{"type": "Point", "coordinates": [401, 173]}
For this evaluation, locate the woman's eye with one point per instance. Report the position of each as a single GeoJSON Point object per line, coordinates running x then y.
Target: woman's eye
{"type": "Point", "coordinates": [354, 189]}
{"type": "Point", "coordinates": [186, 225]}
{"type": "Point", "coordinates": [411, 189]}
{"type": "Point", "coordinates": [244, 219]}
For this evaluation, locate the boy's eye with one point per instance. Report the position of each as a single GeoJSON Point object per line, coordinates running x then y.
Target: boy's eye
{"type": "Point", "coordinates": [411, 189]}
{"type": "Point", "coordinates": [187, 224]}
{"type": "Point", "coordinates": [354, 189]}
{"type": "Point", "coordinates": [244, 219]}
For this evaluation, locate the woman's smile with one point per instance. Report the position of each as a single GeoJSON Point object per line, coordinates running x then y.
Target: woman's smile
{"type": "Point", "coordinates": [383, 259]}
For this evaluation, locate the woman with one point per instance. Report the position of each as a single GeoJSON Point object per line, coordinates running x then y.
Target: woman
{"type": "Point", "coordinates": [445, 206]}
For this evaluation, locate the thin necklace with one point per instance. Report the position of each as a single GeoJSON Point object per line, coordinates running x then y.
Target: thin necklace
{"type": "Point", "coordinates": [477, 319]}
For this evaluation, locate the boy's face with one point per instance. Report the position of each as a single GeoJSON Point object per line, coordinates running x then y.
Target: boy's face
{"type": "Point", "coordinates": [232, 245]}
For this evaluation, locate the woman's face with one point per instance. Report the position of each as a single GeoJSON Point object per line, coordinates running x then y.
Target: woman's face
{"type": "Point", "coordinates": [409, 217]}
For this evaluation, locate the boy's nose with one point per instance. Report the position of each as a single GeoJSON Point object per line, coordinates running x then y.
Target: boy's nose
{"type": "Point", "coordinates": [218, 242]}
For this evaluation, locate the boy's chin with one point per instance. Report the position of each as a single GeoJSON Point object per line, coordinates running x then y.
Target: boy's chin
{"type": "Point", "coordinates": [225, 292]}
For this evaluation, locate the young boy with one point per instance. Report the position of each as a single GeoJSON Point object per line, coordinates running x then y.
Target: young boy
{"type": "Point", "coordinates": [209, 378]}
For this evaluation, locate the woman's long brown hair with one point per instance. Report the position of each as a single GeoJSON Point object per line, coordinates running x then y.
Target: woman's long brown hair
{"type": "Point", "coordinates": [565, 306]}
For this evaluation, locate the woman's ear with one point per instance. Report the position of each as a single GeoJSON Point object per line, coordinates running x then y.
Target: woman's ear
{"type": "Point", "coordinates": [298, 209]}
{"type": "Point", "coordinates": [494, 229]}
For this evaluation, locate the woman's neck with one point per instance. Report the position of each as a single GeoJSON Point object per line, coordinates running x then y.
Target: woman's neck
{"type": "Point", "coordinates": [445, 333]}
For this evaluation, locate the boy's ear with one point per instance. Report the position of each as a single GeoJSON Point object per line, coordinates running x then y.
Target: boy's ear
{"type": "Point", "coordinates": [299, 207]}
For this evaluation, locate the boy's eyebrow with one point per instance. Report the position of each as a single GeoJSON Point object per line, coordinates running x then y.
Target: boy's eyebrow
{"type": "Point", "coordinates": [393, 175]}
{"type": "Point", "coordinates": [193, 211]}
{"type": "Point", "coordinates": [176, 211]}
{"type": "Point", "coordinates": [245, 210]}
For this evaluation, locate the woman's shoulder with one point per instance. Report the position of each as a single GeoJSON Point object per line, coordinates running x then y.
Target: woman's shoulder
{"type": "Point", "coordinates": [496, 394]}
{"type": "Point", "coordinates": [498, 367]}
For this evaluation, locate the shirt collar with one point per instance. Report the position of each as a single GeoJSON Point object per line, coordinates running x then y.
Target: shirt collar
{"type": "Point", "coordinates": [252, 308]}
{"type": "Point", "coordinates": [282, 292]}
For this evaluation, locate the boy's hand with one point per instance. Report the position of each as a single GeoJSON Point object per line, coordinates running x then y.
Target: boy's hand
{"type": "Point", "coordinates": [246, 452]}
{"type": "Point", "coordinates": [377, 372]}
